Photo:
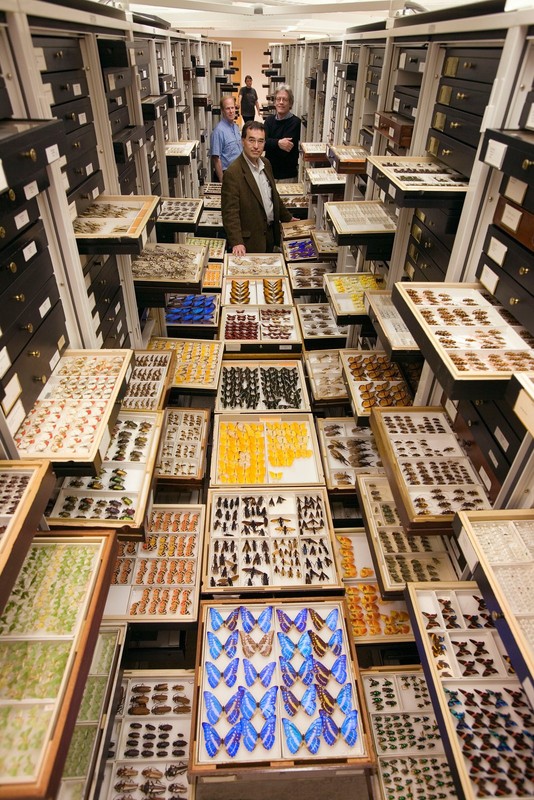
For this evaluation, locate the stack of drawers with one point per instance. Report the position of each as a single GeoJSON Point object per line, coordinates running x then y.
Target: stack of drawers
{"type": "Point", "coordinates": [62, 72]}
{"type": "Point", "coordinates": [372, 79]}
{"type": "Point", "coordinates": [430, 244]}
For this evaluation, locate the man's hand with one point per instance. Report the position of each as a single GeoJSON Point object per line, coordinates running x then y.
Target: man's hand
{"type": "Point", "coordinates": [239, 250]}
{"type": "Point", "coordinates": [286, 144]}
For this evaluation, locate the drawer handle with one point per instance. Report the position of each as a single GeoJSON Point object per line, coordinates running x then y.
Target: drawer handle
{"type": "Point", "coordinates": [413, 60]}
{"type": "Point", "coordinates": [140, 52]}
{"type": "Point", "coordinates": [12, 267]}
{"type": "Point", "coordinates": [455, 125]}
{"type": "Point", "coordinates": [34, 353]}
{"type": "Point", "coordinates": [461, 96]}
{"type": "Point", "coordinates": [65, 87]}
{"type": "Point", "coordinates": [70, 116]}
{"type": "Point", "coordinates": [103, 282]}
{"type": "Point", "coordinates": [527, 163]}
{"type": "Point", "coordinates": [468, 65]}
{"type": "Point", "coordinates": [495, 615]}
{"type": "Point", "coordinates": [39, 379]}
{"type": "Point", "coordinates": [523, 270]}
{"type": "Point", "coordinates": [76, 145]}
{"type": "Point", "coordinates": [31, 154]}
{"type": "Point", "coordinates": [120, 77]}
{"type": "Point", "coordinates": [112, 319]}
{"type": "Point", "coordinates": [79, 171]}
{"type": "Point", "coordinates": [514, 301]}
{"type": "Point", "coordinates": [59, 54]}
{"type": "Point", "coordinates": [446, 152]}
{"type": "Point", "coordinates": [28, 327]}
{"type": "Point", "coordinates": [19, 298]}
{"type": "Point", "coordinates": [107, 299]}
{"type": "Point", "coordinates": [2, 232]}
{"type": "Point", "coordinates": [427, 245]}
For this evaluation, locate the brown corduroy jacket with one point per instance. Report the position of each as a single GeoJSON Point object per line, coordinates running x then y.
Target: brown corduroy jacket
{"type": "Point", "coordinates": [243, 214]}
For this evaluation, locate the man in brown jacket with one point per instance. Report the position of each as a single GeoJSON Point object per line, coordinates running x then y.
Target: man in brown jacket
{"type": "Point", "coordinates": [251, 206]}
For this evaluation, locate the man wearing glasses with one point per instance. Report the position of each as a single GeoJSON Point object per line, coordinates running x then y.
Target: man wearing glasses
{"type": "Point", "coordinates": [251, 206]}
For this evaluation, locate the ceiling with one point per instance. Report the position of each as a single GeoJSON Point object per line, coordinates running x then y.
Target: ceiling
{"type": "Point", "coordinates": [277, 20]}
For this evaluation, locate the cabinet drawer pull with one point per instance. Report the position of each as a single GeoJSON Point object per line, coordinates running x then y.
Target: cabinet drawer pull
{"type": "Point", "coordinates": [523, 270]}
{"type": "Point", "coordinates": [34, 353]}
{"type": "Point", "coordinates": [514, 301]}
{"type": "Point", "coordinates": [446, 152]}
{"type": "Point", "coordinates": [455, 125]}
{"type": "Point", "coordinates": [461, 96]}
{"type": "Point", "coordinates": [76, 145]}
{"type": "Point", "coordinates": [58, 54]}
{"type": "Point", "coordinates": [19, 298]}
{"type": "Point", "coordinates": [28, 327]}
{"type": "Point", "coordinates": [468, 65]}
{"type": "Point", "coordinates": [527, 163]}
{"type": "Point", "coordinates": [39, 378]}
{"type": "Point", "coordinates": [31, 154]}
{"type": "Point", "coordinates": [2, 232]}
{"type": "Point", "coordinates": [427, 245]}
{"type": "Point", "coordinates": [12, 267]}
{"type": "Point", "coordinates": [495, 615]}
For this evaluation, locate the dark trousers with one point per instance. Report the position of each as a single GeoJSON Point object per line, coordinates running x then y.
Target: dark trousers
{"type": "Point", "coordinates": [247, 119]}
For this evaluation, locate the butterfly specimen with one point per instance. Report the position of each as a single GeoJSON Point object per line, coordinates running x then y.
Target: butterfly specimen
{"type": "Point", "coordinates": [250, 646]}
{"type": "Point", "coordinates": [320, 647]}
{"type": "Point", "coordinates": [263, 622]}
{"type": "Point", "coordinates": [289, 648]}
{"type": "Point", "coordinates": [348, 730]}
{"type": "Point", "coordinates": [252, 675]}
{"type": "Point", "coordinates": [241, 704]}
{"type": "Point", "coordinates": [229, 674]}
{"type": "Point", "coordinates": [267, 733]}
{"type": "Point", "coordinates": [308, 701]}
{"type": "Point", "coordinates": [294, 738]}
{"type": "Point", "coordinates": [213, 741]}
{"type": "Point", "coordinates": [330, 622]}
{"type": "Point", "coordinates": [216, 647]}
{"type": "Point", "coordinates": [305, 672]}
{"type": "Point", "coordinates": [217, 621]}
{"type": "Point", "coordinates": [286, 623]}
{"type": "Point", "coordinates": [328, 703]}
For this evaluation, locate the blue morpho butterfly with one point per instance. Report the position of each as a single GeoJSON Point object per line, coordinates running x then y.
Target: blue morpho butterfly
{"type": "Point", "coordinates": [286, 623]}
{"type": "Point", "coordinates": [241, 704]}
{"type": "Point", "coordinates": [305, 672]}
{"type": "Point", "coordinates": [328, 703]}
{"type": "Point", "coordinates": [217, 620]}
{"type": "Point", "coordinates": [294, 738]}
{"type": "Point", "coordinates": [229, 674]}
{"type": "Point", "coordinates": [266, 733]}
{"type": "Point", "coordinates": [263, 622]}
{"type": "Point", "coordinates": [335, 643]}
{"type": "Point", "coordinates": [216, 646]}
{"type": "Point", "coordinates": [330, 621]}
{"type": "Point", "coordinates": [252, 675]}
{"type": "Point", "coordinates": [213, 741]}
{"type": "Point", "coordinates": [289, 648]}
{"type": "Point", "coordinates": [308, 701]}
{"type": "Point", "coordinates": [348, 730]}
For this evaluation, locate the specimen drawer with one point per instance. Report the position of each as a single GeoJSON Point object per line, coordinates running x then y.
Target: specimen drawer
{"type": "Point", "coordinates": [62, 87]}
{"type": "Point", "coordinates": [464, 95]}
{"type": "Point", "coordinates": [459, 125]}
{"type": "Point", "coordinates": [56, 54]}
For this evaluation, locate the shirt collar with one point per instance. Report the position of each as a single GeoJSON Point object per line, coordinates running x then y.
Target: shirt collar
{"type": "Point", "coordinates": [259, 167]}
{"type": "Point", "coordinates": [286, 116]}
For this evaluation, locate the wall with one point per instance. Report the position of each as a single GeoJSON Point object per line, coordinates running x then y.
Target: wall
{"type": "Point", "coordinates": [252, 59]}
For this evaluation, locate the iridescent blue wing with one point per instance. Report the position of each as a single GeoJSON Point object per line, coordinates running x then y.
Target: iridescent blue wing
{"type": "Point", "coordinates": [248, 704]}
{"type": "Point", "coordinates": [319, 645]}
{"type": "Point", "coordinates": [349, 729]}
{"type": "Point", "coordinates": [289, 673]}
{"type": "Point", "coordinates": [232, 740]}
{"type": "Point", "coordinates": [287, 648]}
{"type": "Point", "coordinates": [212, 740]}
{"type": "Point", "coordinates": [309, 700]}
{"type": "Point", "coordinates": [214, 645]}
{"type": "Point", "coordinates": [267, 703]}
{"type": "Point", "coordinates": [268, 731]}
{"type": "Point", "coordinates": [213, 707]}
{"type": "Point", "coordinates": [292, 734]}
{"type": "Point", "coordinates": [322, 673]}
{"type": "Point", "coordinates": [216, 620]}
{"type": "Point", "coordinates": [306, 671]}
{"type": "Point", "coordinates": [312, 737]}
{"type": "Point", "coordinates": [247, 618]}
{"type": "Point", "coordinates": [339, 669]}
{"type": "Point", "coordinates": [300, 620]}
{"type": "Point", "coordinates": [291, 704]}
{"type": "Point", "coordinates": [251, 673]}
{"type": "Point", "coordinates": [335, 642]}
{"type": "Point", "coordinates": [232, 708]}
{"type": "Point", "coordinates": [230, 673]}
{"type": "Point", "coordinates": [249, 734]}
{"type": "Point", "coordinates": [332, 618]}
{"type": "Point", "coordinates": [214, 674]}
{"type": "Point", "coordinates": [304, 645]}
{"type": "Point", "coordinates": [265, 619]}
{"type": "Point", "coordinates": [326, 700]}
{"type": "Point", "coordinates": [267, 673]}
{"type": "Point", "coordinates": [344, 698]}
{"type": "Point", "coordinates": [329, 728]}
{"type": "Point", "coordinates": [230, 645]}
{"type": "Point", "coordinates": [284, 620]}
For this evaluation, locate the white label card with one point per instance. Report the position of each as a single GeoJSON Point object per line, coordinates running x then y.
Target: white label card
{"type": "Point", "coordinates": [489, 279]}
{"type": "Point", "coordinates": [82, 118]}
{"type": "Point", "coordinates": [55, 358]}
{"type": "Point", "coordinates": [52, 153]}
{"type": "Point", "coordinates": [29, 251]}
{"type": "Point", "coordinates": [511, 217]}
{"type": "Point", "coordinates": [21, 220]}
{"type": "Point", "coordinates": [468, 550]}
{"type": "Point", "coordinates": [515, 190]}
{"type": "Point", "coordinates": [497, 251]}
{"type": "Point", "coordinates": [45, 307]}
{"type": "Point", "coordinates": [16, 418]}
{"type": "Point", "coordinates": [5, 361]}
{"type": "Point", "coordinates": [495, 153]}
{"type": "Point", "coordinates": [31, 190]}
{"type": "Point", "coordinates": [3, 179]}
{"type": "Point", "coordinates": [76, 89]}
{"type": "Point", "coordinates": [13, 391]}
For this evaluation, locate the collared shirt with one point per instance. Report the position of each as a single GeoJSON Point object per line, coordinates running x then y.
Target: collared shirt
{"type": "Point", "coordinates": [286, 116]}
{"type": "Point", "coordinates": [226, 142]}
{"type": "Point", "coordinates": [258, 171]}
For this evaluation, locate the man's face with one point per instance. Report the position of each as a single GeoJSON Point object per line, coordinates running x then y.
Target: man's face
{"type": "Point", "coordinates": [281, 103]}
{"type": "Point", "coordinates": [229, 110]}
{"type": "Point", "coordinates": [248, 82]}
{"type": "Point", "coordinates": [253, 144]}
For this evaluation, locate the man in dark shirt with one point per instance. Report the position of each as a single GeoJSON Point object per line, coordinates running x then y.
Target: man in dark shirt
{"type": "Point", "coordinates": [283, 134]}
{"type": "Point", "coordinates": [248, 101]}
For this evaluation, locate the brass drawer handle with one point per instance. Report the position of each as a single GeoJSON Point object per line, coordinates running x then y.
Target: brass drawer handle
{"type": "Point", "coordinates": [455, 125]}
{"type": "Point", "coordinates": [427, 245]}
{"type": "Point", "coordinates": [527, 163]}
{"type": "Point", "coordinates": [461, 96]}
{"type": "Point", "coordinates": [58, 54]}
{"type": "Point", "coordinates": [28, 327]}
{"type": "Point", "coordinates": [468, 65]}
{"type": "Point", "coordinates": [39, 378]}
{"type": "Point", "coordinates": [12, 267]}
{"type": "Point", "coordinates": [523, 270]}
{"type": "Point", "coordinates": [76, 145]}
{"type": "Point", "coordinates": [19, 298]}
{"type": "Point", "coordinates": [514, 301]}
{"type": "Point", "coordinates": [34, 353]}
{"type": "Point", "coordinates": [446, 152]}
{"type": "Point", "coordinates": [31, 154]}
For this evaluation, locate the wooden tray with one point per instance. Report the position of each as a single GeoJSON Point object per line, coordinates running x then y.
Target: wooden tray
{"type": "Point", "coordinates": [360, 222]}
{"type": "Point", "coordinates": [198, 362]}
{"type": "Point", "coordinates": [347, 450]}
{"type": "Point", "coordinates": [268, 385]}
{"type": "Point", "coordinates": [372, 380]}
{"type": "Point", "coordinates": [267, 328]}
{"type": "Point", "coordinates": [394, 335]}
{"type": "Point", "coordinates": [116, 224]}
{"type": "Point", "coordinates": [149, 385]}
{"type": "Point", "coordinates": [183, 446]}
{"type": "Point", "coordinates": [169, 267]}
{"type": "Point", "coordinates": [258, 290]}
{"type": "Point", "coordinates": [326, 376]}
{"type": "Point", "coordinates": [345, 292]}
